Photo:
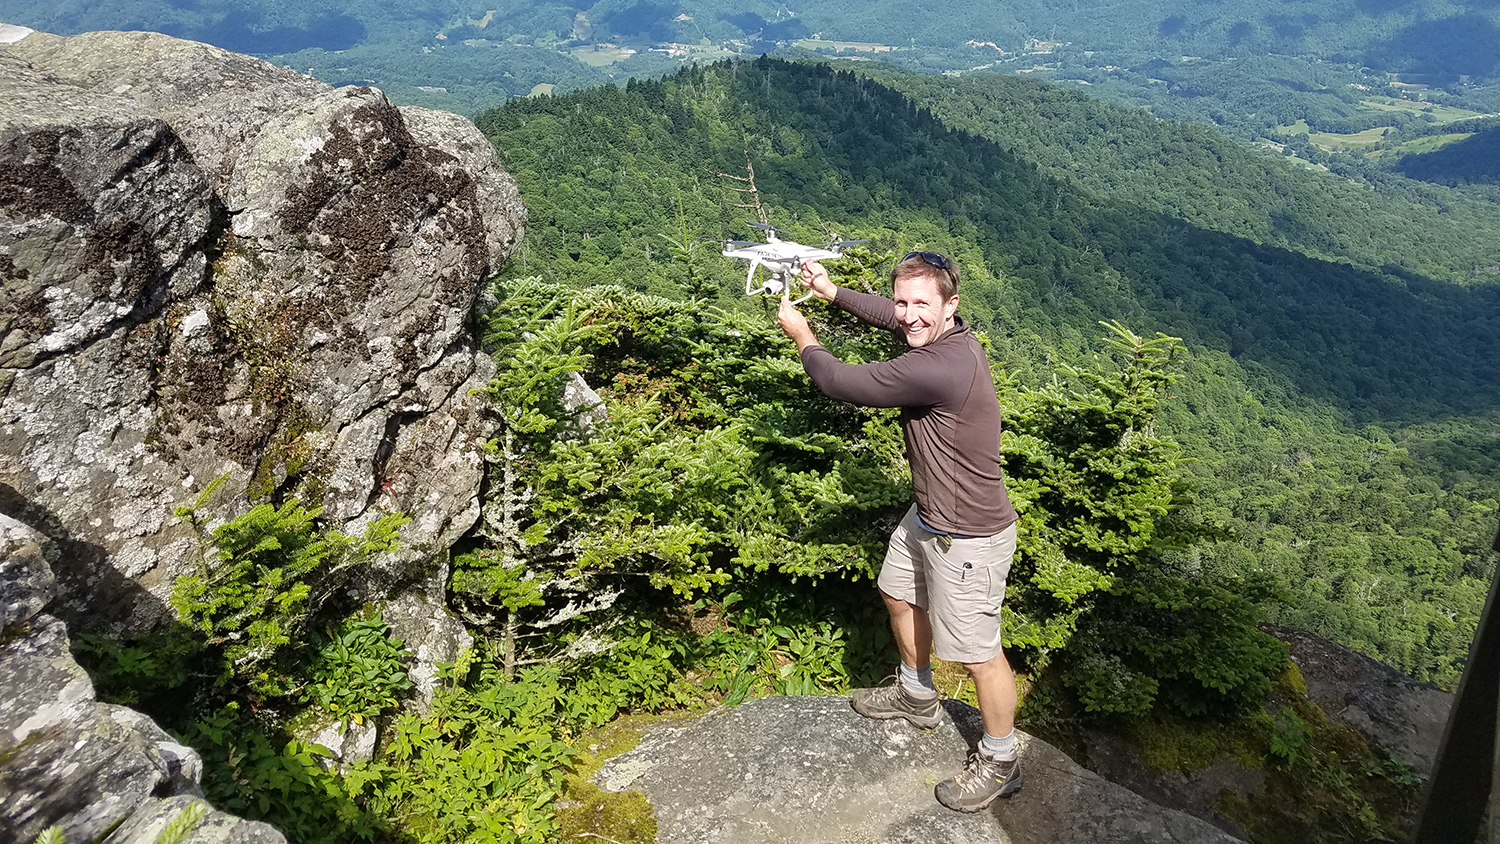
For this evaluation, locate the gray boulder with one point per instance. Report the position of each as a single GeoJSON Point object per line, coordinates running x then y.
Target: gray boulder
{"type": "Point", "coordinates": [215, 266]}
{"type": "Point", "coordinates": [26, 582]}
{"type": "Point", "coordinates": [67, 760]}
{"type": "Point", "coordinates": [419, 617]}
{"type": "Point", "coordinates": [811, 770]}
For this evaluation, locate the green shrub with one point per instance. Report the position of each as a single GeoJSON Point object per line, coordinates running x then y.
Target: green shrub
{"type": "Point", "coordinates": [128, 672]}
{"type": "Point", "coordinates": [484, 767]}
{"type": "Point", "coordinates": [262, 575]}
{"type": "Point", "coordinates": [245, 774]}
{"type": "Point", "coordinates": [357, 672]}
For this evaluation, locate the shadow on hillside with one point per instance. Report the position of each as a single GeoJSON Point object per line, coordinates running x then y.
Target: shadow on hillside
{"type": "Point", "coordinates": [246, 31]}
{"type": "Point", "coordinates": [1444, 48]}
{"type": "Point", "coordinates": [1475, 160]}
{"type": "Point", "coordinates": [1389, 344]}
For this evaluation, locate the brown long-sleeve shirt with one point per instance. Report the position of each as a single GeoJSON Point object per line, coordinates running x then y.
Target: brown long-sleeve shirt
{"type": "Point", "coordinates": [950, 416]}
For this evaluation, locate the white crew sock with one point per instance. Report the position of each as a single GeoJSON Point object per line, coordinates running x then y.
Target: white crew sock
{"type": "Point", "coordinates": [917, 680]}
{"type": "Point", "coordinates": [1003, 748]}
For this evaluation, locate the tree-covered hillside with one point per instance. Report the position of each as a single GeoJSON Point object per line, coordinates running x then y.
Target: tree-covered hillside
{"type": "Point", "coordinates": [1197, 175]}
{"type": "Point", "coordinates": [1303, 333]}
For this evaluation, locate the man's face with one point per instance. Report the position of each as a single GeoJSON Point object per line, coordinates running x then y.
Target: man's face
{"type": "Point", "coordinates": [923, 313]}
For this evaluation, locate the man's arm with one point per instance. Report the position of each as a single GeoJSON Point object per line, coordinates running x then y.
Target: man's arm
{"type": "Point", "coordinates": [911, 380]}
{"type": "Point", "coordinates": [915, 379]}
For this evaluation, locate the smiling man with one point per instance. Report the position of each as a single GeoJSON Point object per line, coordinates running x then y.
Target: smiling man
{"type": "Point", "coordinates": [944, 574]}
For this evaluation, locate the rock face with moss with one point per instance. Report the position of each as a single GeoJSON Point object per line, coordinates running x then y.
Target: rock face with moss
{"type": "Point", "coordinates": [810, 769]}
{"type": "Point", "coordinates": [67, 760]}
{"type": "Point", "coordinates": [213, 265]}
{"type": "Point", "coordinates": [1401, 716]}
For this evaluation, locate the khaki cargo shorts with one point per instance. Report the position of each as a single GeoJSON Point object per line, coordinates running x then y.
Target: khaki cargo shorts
{"type": "Point", "coordinates": [959, 582]}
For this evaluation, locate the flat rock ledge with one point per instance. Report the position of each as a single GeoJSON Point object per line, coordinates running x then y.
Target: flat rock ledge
{"type": "Point", "coordinates": [811, 770]}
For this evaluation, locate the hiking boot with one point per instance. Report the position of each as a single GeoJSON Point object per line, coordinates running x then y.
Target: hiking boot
{"type": "Point", "coordinates": [896, 702]}
{"type": "Point", "coordinates": [983, 779]}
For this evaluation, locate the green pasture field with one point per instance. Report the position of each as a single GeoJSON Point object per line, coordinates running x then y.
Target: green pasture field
{"type": "Point", "coordinates": [1440, 113]}
{"type": "Point", "coordinates": [1361, 141]}
{"type": "Point", "coordinates": [839, 46]}
{"type": "Point", "coordinates": [1335, 142]}
{"type": "Point", "coordinates": [599, 56]}
{"type": "Point", "coordinates": [1427, 143]}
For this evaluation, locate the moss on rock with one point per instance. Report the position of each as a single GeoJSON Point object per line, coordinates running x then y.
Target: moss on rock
{"type": "Point", "coordinates": [586, 811]}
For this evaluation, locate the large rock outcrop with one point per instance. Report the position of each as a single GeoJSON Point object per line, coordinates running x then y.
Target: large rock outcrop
{"type": "Point", "coordinates": [212, 265]}
{"type": "Point", "coordinates": [811, 770]}
{"type": "Point", "coordinates": [1402, 716]}
{"type": "Point", "coordinates": [1399, 716]}
{"type": "Point", "coordinates": [66, 759]}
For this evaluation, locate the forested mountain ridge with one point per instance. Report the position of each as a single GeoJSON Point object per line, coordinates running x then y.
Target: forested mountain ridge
{"type": "Point", "coordinates": [1195, 174]}
{"type": "Point", "coordinates": [837, 148]}
{"type": "Point", "coordinates": [1289, 350]}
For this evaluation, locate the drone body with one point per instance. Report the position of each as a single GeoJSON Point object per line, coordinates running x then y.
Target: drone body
{"type": "Point", "coordinates": [783, 259]}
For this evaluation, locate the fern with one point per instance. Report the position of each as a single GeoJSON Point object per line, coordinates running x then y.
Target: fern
{"type": "Point", "coordinates": [177, 830]}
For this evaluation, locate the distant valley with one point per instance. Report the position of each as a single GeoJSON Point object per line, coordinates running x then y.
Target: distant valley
{"type": "Point", "coordinates": [1333, 71]}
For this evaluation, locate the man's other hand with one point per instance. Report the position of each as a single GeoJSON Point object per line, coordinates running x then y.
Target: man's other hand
{"type": "Point", "coordinates": [795, 325]}
{"type": "Point", "coordinates": [815, 277]}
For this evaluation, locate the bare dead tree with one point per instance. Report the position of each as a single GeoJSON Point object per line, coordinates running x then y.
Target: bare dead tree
{"type": "Point", "coordinates": [748, 191]}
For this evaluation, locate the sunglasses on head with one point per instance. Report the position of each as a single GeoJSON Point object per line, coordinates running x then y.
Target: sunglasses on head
{"type": "Point", "coordinates": [932, 258]}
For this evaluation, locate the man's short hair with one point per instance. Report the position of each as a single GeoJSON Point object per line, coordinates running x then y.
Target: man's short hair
{"type": "Point", "coordinates": [923, 263]}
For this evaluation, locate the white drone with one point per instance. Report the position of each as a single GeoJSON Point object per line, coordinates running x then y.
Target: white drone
{"type": "Point", "coordinates": [782, 258]}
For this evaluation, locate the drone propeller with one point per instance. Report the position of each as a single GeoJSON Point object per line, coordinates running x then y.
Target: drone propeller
{"type": "Point", "coordinates": [767, 227]}
{"type": "Point", "coordinates": [739, 244]}
{"type": "Point", "coordinates": [840, 244]}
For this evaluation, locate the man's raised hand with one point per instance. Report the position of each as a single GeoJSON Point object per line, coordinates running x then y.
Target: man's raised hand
{"type": "Point", "coordinates": [815, 278]}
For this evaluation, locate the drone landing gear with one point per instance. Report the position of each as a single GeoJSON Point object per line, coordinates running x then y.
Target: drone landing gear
{"type": "Point", "coordinates": [779, 283]}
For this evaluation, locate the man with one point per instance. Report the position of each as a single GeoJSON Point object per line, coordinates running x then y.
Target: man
{"type": "Point", "coordinates": [943, 578]}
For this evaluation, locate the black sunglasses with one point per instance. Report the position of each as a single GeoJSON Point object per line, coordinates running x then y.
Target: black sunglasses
{"type": "Point", "coordinates": [932, 258]}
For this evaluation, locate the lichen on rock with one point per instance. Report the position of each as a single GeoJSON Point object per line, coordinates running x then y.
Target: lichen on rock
{"type": "Point", "coordinates": [217, 266]}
